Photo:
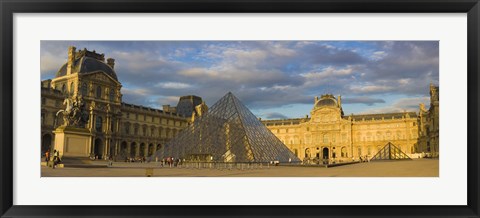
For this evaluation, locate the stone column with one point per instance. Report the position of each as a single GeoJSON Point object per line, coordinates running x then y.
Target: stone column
{"type": "Point", "coordinates": [92, 144]}
{"type": "Point", "coordinates": [91, 119]}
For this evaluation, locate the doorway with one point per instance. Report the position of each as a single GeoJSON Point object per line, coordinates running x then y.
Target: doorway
{"type": "Point", "coordinates": [98, 148]}
{"type": "Point", "coordinates": [325, 153]}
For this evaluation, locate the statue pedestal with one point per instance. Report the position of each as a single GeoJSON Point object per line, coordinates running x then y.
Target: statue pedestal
{"type": "Point", "coordinates": [73, 141]}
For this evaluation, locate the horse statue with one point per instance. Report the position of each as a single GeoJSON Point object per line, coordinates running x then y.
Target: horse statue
{"type": "Point", "coordinates": [74, 114]}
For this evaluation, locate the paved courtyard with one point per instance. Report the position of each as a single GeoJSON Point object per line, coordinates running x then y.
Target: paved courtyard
{"type": "Point", "coordinates": [406, 168]}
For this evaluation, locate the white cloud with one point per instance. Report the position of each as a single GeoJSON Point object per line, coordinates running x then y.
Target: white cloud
{"type": "Point", "coordinates": [302, 44]}
{"type": "Point", "coordinates": [370, 88]}
{"type": "Point", "coordinates": [378, 55]}
{"type": "Point", "coordinates": [198, 72]}
{"type": "Point", "coordinates": [173, 85]}
{"type": "Point", "coordinates": [181, 52]}
{"type": "Point", "coordinates": [135, 92]}
{"type": "Point", "coordinates": [139, 62]}
{"type": "Point", "coordinates": [404, 82]}
{"type": "Point", "coordinates": [328, 72]}
{"type": "Point", "coordinates": [401, 105]}
{"type": "Point", "coordinates": [279, 50]}
{"type": "Point", "coordinates": [283, 88]}
{"type": "Point", "coordinates": [51, 63]}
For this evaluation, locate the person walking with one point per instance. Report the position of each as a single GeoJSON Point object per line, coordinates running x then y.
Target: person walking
{"type": "Point", "coordinates": [58, 156]}
{"type": "Point", "coordinates": [47, 156]}
{"type": "Point", "coordinates": [55, 157]}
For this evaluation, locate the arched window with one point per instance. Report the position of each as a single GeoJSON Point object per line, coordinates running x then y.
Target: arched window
{"type": "Point", "coordinates": [307, 152]}
{"type": "Point", "coordinates": [344, 152]}
{"type": "Point", "coordinates": [99, 92]}
{"type": "Point", "coordinates": [64, 88]}
{"type": "Point", "coordinates": [98, 124]}
{"type": "Point", "coordinates": [112, 95]}
{"type": "Point", "coordinates": [71, 88]}
{"type": "Point", "coordinates": [84, 89]}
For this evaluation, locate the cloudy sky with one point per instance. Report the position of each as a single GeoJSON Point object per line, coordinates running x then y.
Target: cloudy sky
{"type": "Point", "coordinates": [275, 79]}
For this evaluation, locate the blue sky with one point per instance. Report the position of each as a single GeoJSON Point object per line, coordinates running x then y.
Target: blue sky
{"type": "Point", "coordinates": [275, 79]}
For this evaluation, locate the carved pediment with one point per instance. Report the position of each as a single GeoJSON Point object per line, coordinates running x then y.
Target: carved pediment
{"type": "Point", "coordinates": [326, 115]}
{"type": "Point", "coordinates": [100, 77]}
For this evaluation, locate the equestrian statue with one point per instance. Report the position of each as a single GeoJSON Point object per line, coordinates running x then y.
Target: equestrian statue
{"type": "Point", "coordinates": [75, 112]}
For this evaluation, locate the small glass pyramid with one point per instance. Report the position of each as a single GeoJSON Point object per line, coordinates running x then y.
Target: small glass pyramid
{"type": "Point", "coordinates": [390, 152]}
{"type": "Point", "coordinates": [228, 132]}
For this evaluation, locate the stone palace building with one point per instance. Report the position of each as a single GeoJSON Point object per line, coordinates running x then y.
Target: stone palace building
{"type": "Point", "coordinates": [116, 128]}
{"type": "Point", "coordinates": [329, 134]}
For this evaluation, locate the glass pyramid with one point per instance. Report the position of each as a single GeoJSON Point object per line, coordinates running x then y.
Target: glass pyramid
{"type": "Point", "coordinates": [228, 132]}
{"type": "Point", "coordinates": [390, 152]}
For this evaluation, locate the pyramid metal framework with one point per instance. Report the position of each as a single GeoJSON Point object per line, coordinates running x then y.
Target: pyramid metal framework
{"type": "Point", "coordinates": [390, 152]}
{"type": "Point", "coordinates": [228, 132]}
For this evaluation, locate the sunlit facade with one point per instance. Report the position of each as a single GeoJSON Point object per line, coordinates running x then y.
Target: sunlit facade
{"type": "Point", "coordinates": [330, 135]}
{"type": "Point", "coordinates": [117, 128]}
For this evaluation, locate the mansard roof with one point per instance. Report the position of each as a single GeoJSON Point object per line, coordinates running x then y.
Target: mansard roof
{"type": "Point", "coordinates": [326, 100]}
{"type": "Point", "coordinates": [385, 116]}
{"type": "Point", "coordinates": [88, 62]}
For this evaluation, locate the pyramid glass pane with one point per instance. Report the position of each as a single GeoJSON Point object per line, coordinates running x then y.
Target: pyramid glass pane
{"type": "Point", "coordinates": [390, 152]}
{"type": "Point", "coordinates": [228, 132]}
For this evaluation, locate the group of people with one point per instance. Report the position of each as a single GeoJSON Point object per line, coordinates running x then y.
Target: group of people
{"type": "Point", "coordinates": [136, 159]}
{"type": "Point", "coordinates": [55, 160]}
{"type": "Point", "coordinates": [170, 161]}
{"type": "Point", "coordinates": [364, 159]}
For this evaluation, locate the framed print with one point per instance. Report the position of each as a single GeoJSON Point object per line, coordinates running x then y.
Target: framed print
{"type": "Point", "coordinates": [267, 108]}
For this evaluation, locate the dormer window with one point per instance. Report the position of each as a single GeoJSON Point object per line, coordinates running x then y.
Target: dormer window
{"type": "Point", "coordinates": [84, 89]}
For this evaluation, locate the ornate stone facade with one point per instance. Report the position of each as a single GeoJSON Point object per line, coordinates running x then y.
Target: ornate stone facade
{"type": "Point", "coordinates": [330, 136]}
{"type": "Point", "coordinates": [117, 128]}
{"type": "Point", "coordinates": [429, 124]}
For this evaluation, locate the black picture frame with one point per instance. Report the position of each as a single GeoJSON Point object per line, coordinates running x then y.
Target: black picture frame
{"type": "Point", "coordinates": [9, 7]}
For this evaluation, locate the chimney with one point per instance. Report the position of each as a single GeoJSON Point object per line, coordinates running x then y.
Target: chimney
{"type": "Point", "coordinates": [111, 62]}
{"type": "Point", "coordinates": [71, 59]}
